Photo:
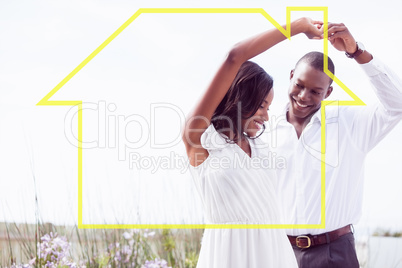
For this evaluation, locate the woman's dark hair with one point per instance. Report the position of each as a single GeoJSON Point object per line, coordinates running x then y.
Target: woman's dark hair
{"type": "Point", "coordinates": [244, 97]}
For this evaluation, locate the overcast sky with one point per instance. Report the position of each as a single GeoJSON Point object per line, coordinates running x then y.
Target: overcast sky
{"type": "Point", "coordinates": [137, 92]}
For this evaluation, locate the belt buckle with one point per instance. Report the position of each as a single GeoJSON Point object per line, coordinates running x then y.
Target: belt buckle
{"type": "Point", "coordinates": [303, 237]}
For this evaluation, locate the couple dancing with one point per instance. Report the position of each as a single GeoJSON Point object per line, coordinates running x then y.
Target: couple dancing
{"type": "Point", "coordinates": [225, 125]}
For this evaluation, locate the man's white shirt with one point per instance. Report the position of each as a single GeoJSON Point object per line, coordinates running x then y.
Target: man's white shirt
{"type": "Point", "coordinates": [351, 132]}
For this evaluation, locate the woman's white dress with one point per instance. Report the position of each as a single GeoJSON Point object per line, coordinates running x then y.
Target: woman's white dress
{"type": "Point", "coordinates": [237, 189]}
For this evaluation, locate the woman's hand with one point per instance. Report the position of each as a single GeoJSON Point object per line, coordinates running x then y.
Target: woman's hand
{"type": "Point", "coordinates": [311, 28]}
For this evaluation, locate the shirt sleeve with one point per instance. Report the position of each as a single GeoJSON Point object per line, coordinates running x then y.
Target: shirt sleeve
{"type": "Point", "coordinates": [372, 123]}
{"type": "Point", "coordinates": [387, 85]}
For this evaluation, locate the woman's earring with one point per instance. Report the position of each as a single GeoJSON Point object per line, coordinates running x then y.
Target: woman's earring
{"type": "Point", "coordinates": [263, 129]}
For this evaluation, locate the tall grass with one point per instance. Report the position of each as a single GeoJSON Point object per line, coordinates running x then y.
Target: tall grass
{"type": "Point", "coordinates": [101, 247]}
{"type": "Point", "coordinates": [24, 244]}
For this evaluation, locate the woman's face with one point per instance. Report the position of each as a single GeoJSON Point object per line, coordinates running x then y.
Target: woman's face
{"type": "Point", "coordinates": [254, 124]}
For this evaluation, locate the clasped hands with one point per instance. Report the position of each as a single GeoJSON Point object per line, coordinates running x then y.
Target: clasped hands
{"type": "Point", "coordinates": [338, 34]}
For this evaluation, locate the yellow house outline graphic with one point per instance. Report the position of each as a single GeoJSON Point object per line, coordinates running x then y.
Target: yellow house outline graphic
{"type": "Point", "coordinates": [356, 101]}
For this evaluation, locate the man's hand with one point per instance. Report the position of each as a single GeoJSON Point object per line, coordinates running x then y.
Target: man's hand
{"type": "Point", "coordinates": [341, 38]}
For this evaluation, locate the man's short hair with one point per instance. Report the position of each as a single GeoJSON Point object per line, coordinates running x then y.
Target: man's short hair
{"type": "Point", "coordinates": [316, 60]}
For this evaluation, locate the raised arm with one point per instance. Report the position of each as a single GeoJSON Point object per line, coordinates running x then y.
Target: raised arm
{"type": "Point", "coordinates": [342, 40]}
{"type": "Point", "coordinates": [372, 123]}
{"type": "Point", "coordinates": [200, 118]}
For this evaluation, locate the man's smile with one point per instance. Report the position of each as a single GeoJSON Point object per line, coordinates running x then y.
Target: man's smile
{"type": "Point", "coordinates": [300, 105]}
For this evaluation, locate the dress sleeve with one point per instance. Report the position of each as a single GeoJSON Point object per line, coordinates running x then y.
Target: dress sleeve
{"type": "Point", "coordinates": [211, 140]}
{"type": "Point", "coordinates": [372, 123]}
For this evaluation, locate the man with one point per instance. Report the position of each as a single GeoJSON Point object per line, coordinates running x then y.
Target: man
{"type": "Point", "coordinates": [351, 132]}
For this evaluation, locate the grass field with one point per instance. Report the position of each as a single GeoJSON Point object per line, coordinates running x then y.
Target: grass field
{"type": "Point", "coordinates": [68, 246]}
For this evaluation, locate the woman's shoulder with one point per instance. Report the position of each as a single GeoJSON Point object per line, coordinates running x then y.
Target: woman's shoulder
{"type": "Point", "coordinates": [212, 140]}
{"type": "Point", "coordinates": [217, 146]}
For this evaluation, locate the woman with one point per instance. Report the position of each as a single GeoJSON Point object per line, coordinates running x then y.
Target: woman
{"type": "Point", "coordinates": [227, 158]}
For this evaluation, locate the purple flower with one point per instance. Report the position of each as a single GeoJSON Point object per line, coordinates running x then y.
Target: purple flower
{"type": "Point", "coordinates": [20, 266]}
{"type": "Point", "coordinates": [127, 235]}
{"type": "Point", "coordinates": [53, 252]}
{"type": "Point", "coordinates": [155, 264]}
{"type": "Point", "coordinates": [114, 245]}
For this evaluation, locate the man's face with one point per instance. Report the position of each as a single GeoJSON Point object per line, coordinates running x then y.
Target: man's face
{"type": "Point", "coordinates": [308, 87]}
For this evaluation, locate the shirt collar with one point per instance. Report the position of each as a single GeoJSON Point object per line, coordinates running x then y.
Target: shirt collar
{"type": "Point", "coordinates": [316, 116]}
